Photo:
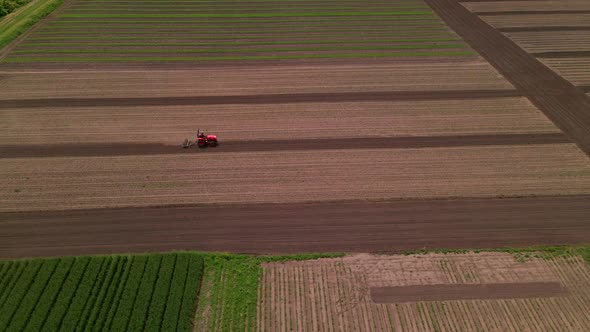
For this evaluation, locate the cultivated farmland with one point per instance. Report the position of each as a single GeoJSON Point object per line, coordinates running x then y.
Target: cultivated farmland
{"type": "Point", "coordinates": [206, 31]}
{"type": "Point", "coordinates": [433, 292]}
{"type": "Point", "coordinates": [119, 293]}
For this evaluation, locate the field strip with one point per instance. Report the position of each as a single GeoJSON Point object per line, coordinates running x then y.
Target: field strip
{"type": "Point", "coordinates": [565, 105]}
{"type": "Point", "coordinates": [562, 54]}
{"type": "Point", "coordinates": [544, 28]}
{"type": "Point", "coordinates": [340, 289]}
{"type": "Point", "coordinates": [258, 99]}
{"type": "Point", "coordinates": [526, 6]}
{"type": "Point", "coordinates": [442, 292]}
{"type": "Point", "coordinates": [293, 176]}
{"type": "Point", "coordinates": [313, 227]}
{"type": "Point", "coordinates": [129, 149]}
{"type": "Point", "coordinates": [530, 12]}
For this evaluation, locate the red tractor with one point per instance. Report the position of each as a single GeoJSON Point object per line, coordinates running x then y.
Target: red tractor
{"type": "Point", "coordinates": [203, 140]}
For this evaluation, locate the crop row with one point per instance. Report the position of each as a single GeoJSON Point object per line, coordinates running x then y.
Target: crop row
{"type": "Point", "coordinates": [123, 293]}
{"type": "Point", "coordinates": [233, 58]}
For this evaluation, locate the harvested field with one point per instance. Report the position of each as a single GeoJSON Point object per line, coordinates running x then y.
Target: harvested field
{"type": "Point", "coordinates": [335, 294]}
{"type": "Point", "coordinates": [205, 31]}
{"type": "Point", "coordinates": [169, 125]}
{"type": "Point", "coordinates": [265, 177]}
{"type": "Point", "coordinates": [119, 293]}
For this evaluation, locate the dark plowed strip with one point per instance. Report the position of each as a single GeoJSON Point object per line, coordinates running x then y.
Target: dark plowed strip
{"type": "Point", "coordinates": [564, 54]}
{"type": "Point", "coordinates": [540, 29]}
{"type": "Point", "coordinates": [567, 106]}
{"type": "Point", "coordinates": [527, 12]}
{"type": "Point", "coordinates": [516, 290]}
{"type": "Point", "coordinates": [389, 226]}
{"type": "Point", "coordinates": [128, 149]}
{"type": "Point", "coordinates": [332, 97]}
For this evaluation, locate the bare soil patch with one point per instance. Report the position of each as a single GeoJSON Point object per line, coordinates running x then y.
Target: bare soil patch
{"type": "Point", "coordinates": [353, 226]}
{"type": "Point", "coordinates": [403, 294]}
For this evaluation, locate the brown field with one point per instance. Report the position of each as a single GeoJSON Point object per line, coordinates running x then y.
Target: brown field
{"type": "Point", "coordinates": [336, 294]}
{"type": "Point", "coordinates": [527, 5]}
{"type": "Point", "coordinates": [80, 136]}
{"type": "Point", "coordinates": [552, 41]}
{"type": "Point", "coordinates": [538, 20]}
{"type": "Point", "coordinates": [280, 177]}
{"type": "Point", "coordinates": [575, 70]}
{"type": "Point", "coordinates": [169, 125]}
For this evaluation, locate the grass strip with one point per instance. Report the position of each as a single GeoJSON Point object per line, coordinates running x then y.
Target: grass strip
{"type": "Point", "coordinates": [251, 15]}
{"type": "Point", "coordinates": [229, 36]}
{"type": "Point", "coordinates": [18, 292]}
{"type": "Point", "coordinates": [66, 294]}
{"type": "Point", "coordinates": [146, 8]}
{"type": "Point", "coordinates": [29, 301]}
{"type": "Point", "coordinates": [255, 43]}
{"type": "Point", "coordinates": [14, 24]}
{"type": "Point", "coordinates": [47, 300]}
{"type": "Point", "coordinates": [248, 50]}
{"type": "Point", "coordinates": [235, 58]}
{"type": "Point", "coordinates": [249, 21]}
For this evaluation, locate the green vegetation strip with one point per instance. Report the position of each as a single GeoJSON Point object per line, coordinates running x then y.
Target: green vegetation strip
{"type": "Point", "coordinates": [249, 15]}
{"type": "Point", "coordinates": [302, 42]}
{"type": "Point", "coordinates": [14, 24]}
{"type": "Point", "coordinates": [158, 292]}
{"type": "Point", "coordinates": [233, 58]}
{"type": "Point", "coordinates": [163, 37]}
{"type": "Point", "coordinates": [120, 293]}
{"type": "Point", "coordinates": [242, 50]}
{"type": "Point", "coordinates": [249, 21]}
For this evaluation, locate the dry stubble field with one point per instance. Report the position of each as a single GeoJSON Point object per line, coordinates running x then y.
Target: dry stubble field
{"type": "Point", "coordinates": [445, 292]}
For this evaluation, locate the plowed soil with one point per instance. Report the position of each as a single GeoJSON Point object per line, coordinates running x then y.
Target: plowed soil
{"type": "Point", "coordinates": [361, 226]}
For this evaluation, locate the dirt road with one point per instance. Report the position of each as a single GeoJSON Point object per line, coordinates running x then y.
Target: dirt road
{"type": "Point", "coordinates": [356, 226]}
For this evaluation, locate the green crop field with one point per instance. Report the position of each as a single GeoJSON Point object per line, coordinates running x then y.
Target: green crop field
{"type": "Point", "coordinates": [153, 292]}
{"type": "Point", "coordinates": [156, 292]}
{"type": "Point", "coordinates": [237, 30]}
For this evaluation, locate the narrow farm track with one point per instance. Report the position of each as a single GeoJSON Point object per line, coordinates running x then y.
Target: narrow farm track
{"type": "Point", "coordinates": [565, 105]}
{"type": "Point", "coordinates": [356, 226]}
{"type": "Point", "coordinates": [258, 99]}
{"type": "Point", "coordinates": [138, 149]}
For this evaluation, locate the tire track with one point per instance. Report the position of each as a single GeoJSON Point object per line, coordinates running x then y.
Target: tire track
{"type": "Point", "coordinates": [404, 142]}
